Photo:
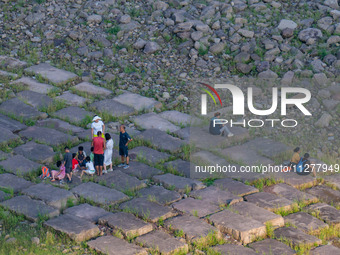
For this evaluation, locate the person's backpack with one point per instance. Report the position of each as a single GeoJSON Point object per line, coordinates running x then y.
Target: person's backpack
{"type": "Point", "coordinates": [301, 165]}
{"type": "Point", "coordinates": [45, 172]}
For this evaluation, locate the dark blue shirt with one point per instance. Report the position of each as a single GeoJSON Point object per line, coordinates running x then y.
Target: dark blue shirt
{"type": "Point", "coordinates": [123, 139]}
{"type": "Point", "coordinates": [214, 130]}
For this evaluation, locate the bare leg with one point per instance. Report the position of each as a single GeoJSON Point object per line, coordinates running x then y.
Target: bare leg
{"type": "Point", "coordinates": [111, 166]}
{"type": "Point", "coordinates": [104, 167]}
{"type": "Point", "coordinates": [97, 170]}
{"type": "Point", "coordinates": [127, 160]}
{"type": "Point", "coordinates": [101, 170]}
{"type": "Point", "coordinates": [123, 159]}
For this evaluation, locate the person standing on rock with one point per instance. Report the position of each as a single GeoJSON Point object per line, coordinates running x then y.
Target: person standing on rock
{"type": "Point", "coordinates": [96, 126]}
{"type": "Point", "coordinates": [68, 164]}
{"type": "Point", "coordinates": [108, 153]}
{"type": "Point", "coordinates": [99, 146]}
{"type": "Point", "coordinates": [124, 140]}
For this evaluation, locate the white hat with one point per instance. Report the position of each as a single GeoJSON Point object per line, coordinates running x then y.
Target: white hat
{"type": "Point", "coordinates": [96, 118]}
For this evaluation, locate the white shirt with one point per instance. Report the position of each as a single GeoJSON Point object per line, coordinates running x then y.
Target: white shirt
{"type": "Point", "coordinates": [89, 166]}
{"type": "Point", "coordinates": [97, 126]}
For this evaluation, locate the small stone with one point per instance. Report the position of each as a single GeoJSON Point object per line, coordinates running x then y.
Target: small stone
{"type": "Point", "coordinates": [125, 19]}
{"type": "Point", "coordinates": [151, 47]}
{"type": "Point", "coordinates": [35, 240]}
{"type": "Point", "coordinates": [96, 19]}
{"type": "Point", "coordinates": [284, 23]}
{"type": "Point", "coordinates": [324, 120]}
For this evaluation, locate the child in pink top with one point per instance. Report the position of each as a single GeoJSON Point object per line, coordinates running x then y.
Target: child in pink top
{"type": "Point", "coordinates": [58, 175]}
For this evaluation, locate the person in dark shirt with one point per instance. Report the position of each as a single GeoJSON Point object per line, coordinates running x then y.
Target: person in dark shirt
{"type": "Point", "coordinates": [124, 140]}
{"type": "Point", "coordinates": [68, 164]}
{"type": "Point", "coordinates": [219, 129]}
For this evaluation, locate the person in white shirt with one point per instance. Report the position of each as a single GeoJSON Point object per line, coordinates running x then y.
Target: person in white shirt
{"type": "Point", "coordinates": [97, 125]}
{"type": "Point", "coordinates": [89, 167]}
{"type": "Point", "coordinates": [108, 153]}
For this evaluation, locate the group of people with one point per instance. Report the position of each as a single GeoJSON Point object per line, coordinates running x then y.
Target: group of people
{"type": "Point", "coordinates": [301, 165]}
{"type": "Point", "coordinates": [100, 159]}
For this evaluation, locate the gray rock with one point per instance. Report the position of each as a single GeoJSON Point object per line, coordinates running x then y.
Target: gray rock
{"type": "Point", "coordinates": [333, 39]}
{"type": "Point", "coordinates": [36, 152]}
{"type": "Point", "coordinates": [267, 147]}
{"type": "Point", "coordinates": [217, 48]}
{"type": "Point", "coordinates": [35, 86]}
{"type": "Point", "coordinates": [4, 196]}
{"type": "Point", "coordinates": [269, 201]}
{"type": "Point", "coordinates": [179, 118]}
{"type": "Point", "coordinates": [268, 74]}
{"type": "Point", "coordinates": [151, 47]}
{"type": "Point", "coordinates": [10, 124]}
{"type": "Point", "coordinates": [216, 196]}
{"type": "Point", "coordinates": [154, 121]}
{"type": "Point", "coordinates": [325, 250]}
{"type": "Point", "coordinates": [179, 183]}
{"type": "Point", "coordinates": [35, 99]}
{"type": "Point", "coordinates": [271, 246]}
{"type": "Point", "coordinates": [327, 213]}
{"type": "Point", "coordinates": [139, 44]}
{"type": "Point", "coordinates": [125, 19]}
{"type": "Point", "coordinates": [138, 102]}
{"type": "Point", "coordinates": [19, 109]}
{"type": "Point", "coordinates": [325, 23]}
{"type": "Point", "coordinates": [95, 19]}
{"type": "Point", "coordinates": [317, 65]}
{"type": "Point", "coordinates": [9, 62]}
{"type": "Point", "coordinates": [73, 114]}
{"type": "Point", "coordinates": [196, 207]}
{"type": "Point", "coordinates": [310, 35]}
{"type": "Point", "coordinates": [246, 33]}
{"type": "Point", "coordinates": [284, 23]}
{"type": "Point", "coordinates": [305, 222]}
{"type": "Point", "coordinates": [87, 212]}
{"type": "Point", "coordinates": [59, 125]}
{"type": "Point", "coordinates": [35, 240]}
{"type": "Point", "coordinates": [160, 195]}
{"type": "Point", "coordinates": [7, 136]}
{"type": "Point", "coordinates": [14, 183]}
{"type": "Point", "coordinates": [324, 120]}
{"type": "Point", "coordinates": [34, 18]}
{"type": "Point", "coordinates": [235, 187]}
{"type": "Point", "coordinates": [141, 171]}
{"type": "Point", "coordinates": [113, 108]}
{"type": "Point", "coordinates": [332, 3]}
{"type": "Point", "coordinates": [19, 165]}
{"type": "Point", "coordinates": [295, 236]}
{"type": "Point", "coordinates": [91, 89]}
{"type": "Point", "coordinates": [233, 249]}
{"type": "Point", "coordinates": [325, 194]}
{"type": "Point", "coordinates": [180, 166]}
{"type": "Point", "coordinates": [72, 99]}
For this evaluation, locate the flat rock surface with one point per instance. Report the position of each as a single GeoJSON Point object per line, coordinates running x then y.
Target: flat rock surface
{"type": "Point", "coordinates": [51, 195]}
{"type": "Point", "coordinates": [141, 171]}
{"type": "Point", "coordinates": [196, 207]}
{"type": "Point", "coordinates": [267, 147]}
{"type": "Point", "coordinates": [146, 209]}
{"type": "Point", "coordinates": [19, 165]}
{"type": "Point", "coordinates": [35, 99]}
{"type": "Point", "coordinates": [73, 114]}
{"type": "Point", "coordinates": [257, 213]}
{"type": "Point", "coordinates": [47, 135]}
{"type": "Point", "coordinates": [19, 109]}
{"type": "Point", "coordinates": [87, 212]}
{"type": "Point", "coordinates": [153, 121]}
{"type": "Point", "coordinates": [295, 236]}
{"type": "Point", "coordinates": [37, 152]}
{"type": "Point", "coordinates": [179, 183]}
{"type": "Point", "coordinates": [326, 212]}
{"type": "Point", "coordinates": [112, 245]}
{"type": "Point", "coordinates": [4, 196]}
{"type": "Point", "coordinates": [34, 85]}
{"type": "Point", "coordinates": [271, 246]}
{"type": "Point", "coordinates": [295, 180]}
{"type": "Point", "coordinates": [86, 146]}
{"type": "Point", "coordinates": [72, 99]}
{"type": "Point", "coordinates": [148, 154]}
{"type": "Point", "coordinates": [179, 165]}
{"type": "Point", "coordinates": [160, 195]}
{"type": "Point", "coordinates": [59, 125]}
{"type": "Point", "coordinates": [325, 250]}
{"type": "Point", "coordinates": [325, 194]}
{"type": "Point", "coordinates": [183, 133]}
{"type": "Point", "coordinates": [7, 136]}
{"type": "Point", "coordinates": [10, 124]}
{"type": "Point", "coordinates": [127, 223]}
{"type": "Point", "coordinates": [138, 102]}
{"type": "Point", "coordinates": [238, 226]}
{"type": "Point", "coordinates": [99, 194]}
{"type": "Point", "coordinates": [12, 182]}
{"type": "Point", "coordinates": [162, 140]}
{"type": "Point", "coordinates": [269, 201]}
{"type": "Point", "coordinates": [32, 209]}
{"type": "Point", "coordinates": [113, 108]}
{"type": "Point", "coordinates": [235, 187]}
{"type": "Point", "coordinates": [193, 227]}
{"type": "Point", "coordinates": [179, 118]}
{"type": "Point", "coordinates": [91, 89]}
{"type": "Point", "coordinates": [3, 155]}
{"type": "Point", "coordinates": [216, 196]}
{"type": "Point", "coordinates": [333, 179]}
{"type": "Point", "coordinates": [78, 229]}
{"type": "Point", "coordinates": [52, 74]}
{"type": "Point", "coordinates": [233, 249]}
{"type": "Point", "coordinates": [162, 241]}
{"type": "Point", "coordinates": [304, 221]}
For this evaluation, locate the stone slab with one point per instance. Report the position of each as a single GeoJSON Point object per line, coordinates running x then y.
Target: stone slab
{"type": "Point", "coordinates": [37, 152]}
{"type": "Point", "coordinates": [138, 102]}
{"type": "Point", "coordinates": [252, 211]}
{"type": "Point", "coordinates": [295, 180]}
{"type": "Point", "coordinates": [35, 99]}
{"type": "Point", "coordinates": [148, 154]}
{"type": "Point", "coordinates": [34, 85]}
{"type": "Point", "coordinates": [72, 99]}
{"type": "Point", "coordinates": [153, 121]}
{"type": "Point", "coordinates": [4, 196]}
{"type": "Point", "coordinates": [51, 195]}
{"type": "Point", "coordinates": [235, 187]}
{"type": "Point", "coordinates": [8, 75]}
{"type": "Point", "coordinates": [196, 207]}
{"type": "Point", "coordinates": [238, 226]}
{"type": "Point", "coordinates": [333, 179]}
{"type": "Point", "coordinates": [3, 155]}
{"type": "Point", "coordinates": [325, 250]}
{"type": "Point", "coordinates": [60, 125]}
{"type": "Point", "coordinates": [269, 201]}
{"type": "Point", "coordinates": [12, 182]}
{"type": "Point", "coordinates": [271, 246]}
{"type": "Point", "coordinates": [325, 194]}
{"type": "Point", "coordinates": [19, 109]}
{"type": "Point", "coordinates": [296, 236]}
{"type": "Point", "coordinates": [216, 196]}
{"type": "Point", "coordinates": [127, 223]}
{"type": "Point", "coordinates": [160, 195]}
{"type": "Point", "coordinates": [162, 140]}
{"type": "Point", "coordinates": [99, 194]}
{"type": "Point", "coordinates": [183, 133]}
{"type": "Point", "coordinates": [73, 114]}
{"type": "Point", "coordinates": [30, 208]}
{"type": "Point", "coordinates": [245, 156]}
{"type": "Point", "coordinates": [112, 245]}
{"type": "Point", "coordinates": [233, 249]}
{"type": "Point", "coordinates": [179, 118]}
{"type": "Point", "coordinates": [87, 212]}
{"type": "Point", "coordinates": [47, 135]}
{"type": "Point", "coordinates": [52, 74]}
{"type": "Point", "coordinates": [78, 229]}
{"type": "Point", "coordinates": [91, 89]}
{"type": "Point", "coordinates": [141, 171]}
{"type": "Point", "coordinates": [146, 209]}
{"type": "Point", "coordinates": [121, 181]}
{"type": "Point", "coordinates": [267, 147]}
{"type": "Point", "coordinates": [19, 165]}
{"type": "Point", "coordinates": [178, 183]}
{"type": "Point", "coordinates": [7, 136]}
{"type": "Point", "coordinates": [291, 193]}
{"type": "Point", "coordinates": [10, 62]}
{"type": "Point", "coordinates": [179, 165]}
{"type": "Point", "coordinates": [327, 213]}
{"type": "Point", "coordinates": [113, 108]}
{"type": "Point", "coordinates": [193, 227]}
{"type": "Point", "coordinates": [10, 124]}
{"type": "Point", "coordinates": [305, 222]}
{"type": "Point", "coordinates": [162, 242]}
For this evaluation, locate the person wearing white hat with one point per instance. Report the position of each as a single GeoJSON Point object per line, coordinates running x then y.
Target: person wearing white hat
{"type": "Point", "coordinates": [97, 125]}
